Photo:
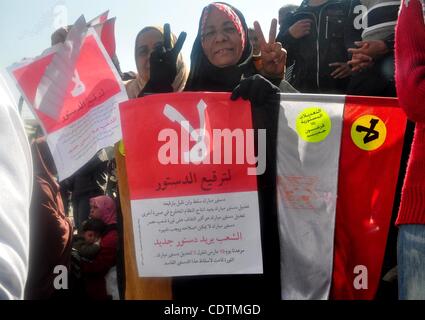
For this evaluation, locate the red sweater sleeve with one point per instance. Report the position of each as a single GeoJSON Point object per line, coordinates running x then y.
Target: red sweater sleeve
{"type": "Point", "coordinates": [410, 60]}
{"type": "Point", "coordinates": [107, 256]}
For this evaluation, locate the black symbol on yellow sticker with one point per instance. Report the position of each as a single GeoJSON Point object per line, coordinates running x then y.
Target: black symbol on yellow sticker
{"type": "Point", "coordinates": [368, 132]}
{"type": "Point", "coordinates": [371, 133]}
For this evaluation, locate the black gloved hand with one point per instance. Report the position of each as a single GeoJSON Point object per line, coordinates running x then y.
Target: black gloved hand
{"type": "Point", "coordinates": [256, 89]}
{"type": "Point", "coordinates": [163, 63]}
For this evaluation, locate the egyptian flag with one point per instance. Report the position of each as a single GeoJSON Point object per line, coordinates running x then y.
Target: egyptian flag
{"type": "Point", "coordinates": [338, 161]}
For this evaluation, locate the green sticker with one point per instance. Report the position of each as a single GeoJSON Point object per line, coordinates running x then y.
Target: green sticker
{"type": "Point", "coordinates": [313, 124]}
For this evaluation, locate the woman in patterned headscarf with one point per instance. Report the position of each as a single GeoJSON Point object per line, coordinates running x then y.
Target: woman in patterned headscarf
{"type": "Point", "coordinates": [221, 60]}
{"type": "Point", "coordinates": [222, 53]}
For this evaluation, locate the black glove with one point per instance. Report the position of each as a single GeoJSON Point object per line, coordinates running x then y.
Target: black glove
{"type": "Point", "coordinates": [256, 89]}
{"type": "Point", "coordinates": [163, 64]}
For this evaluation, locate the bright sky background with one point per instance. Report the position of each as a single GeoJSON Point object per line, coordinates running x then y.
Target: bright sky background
{"type": "Point", "coordinates": [26, 25]}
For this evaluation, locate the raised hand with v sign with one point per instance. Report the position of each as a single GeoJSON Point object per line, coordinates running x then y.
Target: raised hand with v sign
{"type": "Point", "coordinates": [273, 56]}
{"type": "Point", "coordinates": [163, 63]}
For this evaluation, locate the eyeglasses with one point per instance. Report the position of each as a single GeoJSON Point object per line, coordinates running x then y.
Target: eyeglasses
{"type": "Point", "coordinates": [212, 33]}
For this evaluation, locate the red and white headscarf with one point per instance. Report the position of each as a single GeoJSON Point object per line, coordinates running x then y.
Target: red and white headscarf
{"type": "Point", "coordinates": [230, 14]}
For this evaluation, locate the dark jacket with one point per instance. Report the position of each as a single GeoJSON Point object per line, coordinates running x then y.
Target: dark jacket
{"type": "Point", "coordinates": [332, 33]}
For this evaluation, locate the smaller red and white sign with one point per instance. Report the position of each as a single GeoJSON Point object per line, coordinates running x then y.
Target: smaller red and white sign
{"type": "Point", "coordinates": [76, 99]}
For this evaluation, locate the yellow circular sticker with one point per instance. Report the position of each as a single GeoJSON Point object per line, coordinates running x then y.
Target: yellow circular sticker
{"type": "Point", "coordinates": [368, 132]}
{"type": "Point", "coordinates": [121, 148]}
{"type": "Point", "coordinates": [313, 124]}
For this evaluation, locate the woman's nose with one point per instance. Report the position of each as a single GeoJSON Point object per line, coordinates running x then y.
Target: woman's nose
{"type": "Point", "coordinates": [221, 36]}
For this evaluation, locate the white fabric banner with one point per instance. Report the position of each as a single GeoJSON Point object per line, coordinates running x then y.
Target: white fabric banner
{"type": "Point", "coordinates": [308, 150]}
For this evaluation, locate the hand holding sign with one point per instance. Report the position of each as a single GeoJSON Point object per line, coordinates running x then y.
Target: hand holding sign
{"type": "Point", "coordinates": [256, 89]}
{"type": "Point", "coordinates": [163, 63]}
{"type": "Point", "coordinates": [273, 56]}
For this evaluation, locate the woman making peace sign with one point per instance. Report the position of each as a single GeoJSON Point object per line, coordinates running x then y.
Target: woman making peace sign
{"type": "Point", "coordinates": [221, 60]}
{"type": "Point", "coordinates": [160, 65]}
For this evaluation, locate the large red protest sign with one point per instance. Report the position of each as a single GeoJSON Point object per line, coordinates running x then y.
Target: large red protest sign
{"type": "Point", "coordinates": [154, 142]}
{"type": "Point", "coordinates": [194, 205]}
{"type": "Point", "coordinates": [75, 99]}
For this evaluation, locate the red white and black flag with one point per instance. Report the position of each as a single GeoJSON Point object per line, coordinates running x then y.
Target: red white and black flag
{"type": "Point", "coordinates": [338, 161]}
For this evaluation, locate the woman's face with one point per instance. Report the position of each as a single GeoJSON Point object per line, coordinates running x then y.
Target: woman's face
{"type": "Point", "coordinates": [221, 41]}
{"type": "Point", "coordinates": [145, 44]}
{"type": "Point", "coordinates": [94, 210]}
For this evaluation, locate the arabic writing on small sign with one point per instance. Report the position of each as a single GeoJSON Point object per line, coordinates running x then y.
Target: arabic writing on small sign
{"type": "Point", "coordinates": [86, 103]}
{"type": "Point", "coordinates": [83, 135]}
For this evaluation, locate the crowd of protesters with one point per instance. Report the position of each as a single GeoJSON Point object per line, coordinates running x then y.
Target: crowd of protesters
{"type": "Point", "coordinates": [324, 47]}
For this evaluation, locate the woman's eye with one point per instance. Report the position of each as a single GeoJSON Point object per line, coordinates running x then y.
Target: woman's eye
{"type": "Point", "coordinates": [230, 30]}
{"type": "Point", "coordinates": [143, 53]}
{"type": "Point", "coordinates": [209, 35]}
